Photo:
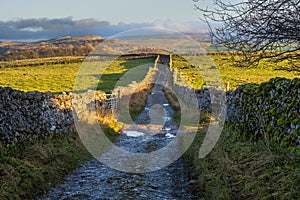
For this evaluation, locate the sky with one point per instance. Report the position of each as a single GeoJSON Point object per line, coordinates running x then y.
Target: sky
{"type": "Point", "coordinates": [37, 19]}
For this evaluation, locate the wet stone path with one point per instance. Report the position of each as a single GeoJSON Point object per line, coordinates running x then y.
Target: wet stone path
{"type": "Point", "coordinates": [94, 180]}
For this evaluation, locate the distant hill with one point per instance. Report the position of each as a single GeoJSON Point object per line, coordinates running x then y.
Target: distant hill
{"type": "Point", "coordinates": [76, 40]}
{"type": "Point", "coordinates": [63, 46]}
{"type": "Point", "coordinates": [75, 46]}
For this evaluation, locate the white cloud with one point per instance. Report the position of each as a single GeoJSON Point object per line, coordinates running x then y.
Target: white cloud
{"type": "Point", "coordinates": [50, 28]}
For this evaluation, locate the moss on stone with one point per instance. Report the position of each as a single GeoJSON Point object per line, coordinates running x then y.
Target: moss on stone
{"type": "Point", "coordinates": [268, 110]}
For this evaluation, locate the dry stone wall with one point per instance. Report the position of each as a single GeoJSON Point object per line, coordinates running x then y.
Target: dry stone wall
{"type": "Point", "coordinates": [269, 111]}
{"type": "Point", "coordinates": [32, 115]}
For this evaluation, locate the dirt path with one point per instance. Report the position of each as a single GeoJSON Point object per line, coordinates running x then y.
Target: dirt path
{"type": "Point", "coordinates": [95, 180]}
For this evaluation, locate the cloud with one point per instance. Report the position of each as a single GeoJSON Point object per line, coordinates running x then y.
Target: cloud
{"type": "Point", "coordinates": [185, 27]}
{"type": "Point", "coordinates": [44, 28]}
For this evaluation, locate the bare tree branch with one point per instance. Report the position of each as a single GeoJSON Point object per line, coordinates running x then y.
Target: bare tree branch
{"type": "Point", "coordinates": [254, 30]}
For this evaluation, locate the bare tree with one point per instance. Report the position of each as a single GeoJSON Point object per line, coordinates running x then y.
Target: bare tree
{"type": "Point", "coordinates": [254, 30]}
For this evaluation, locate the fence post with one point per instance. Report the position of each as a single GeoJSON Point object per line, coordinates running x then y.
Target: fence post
{"type": "Point", "coordinates": [170, 62]}
{"type": "Point", "coordinates": [227, 86]}
{"type": "Point", "coordinates": [156, 62]}
{"type": "Point", "coordinates": [118, 99]}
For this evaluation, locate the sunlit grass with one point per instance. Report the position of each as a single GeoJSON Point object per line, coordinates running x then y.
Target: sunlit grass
{"type": "Point", "coordinates": [221, 66]}
{"type": "Point", "coordinates": [56, 78]}
{"type": "Point", "coordinates": [112, 75]}
{"type": "Point", "coordinates": [238, 76]}
{"type": "Point", "coordinates": [47, 78]}
{"type": "Point", "coordinates": [41, 61]}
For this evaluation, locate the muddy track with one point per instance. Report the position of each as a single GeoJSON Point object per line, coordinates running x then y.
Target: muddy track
{"type": "Point", "coordinates": [94, 180]}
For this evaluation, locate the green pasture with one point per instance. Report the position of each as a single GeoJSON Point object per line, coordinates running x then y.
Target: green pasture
{"type": "Point", "coordinates": [56, 78]}
{"type": "Point", "coordinates": [220, 68]}
{"type": "Point", "coordinates": [45, 75]}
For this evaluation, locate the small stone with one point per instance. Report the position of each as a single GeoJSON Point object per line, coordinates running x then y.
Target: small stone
{"type": "Point", "coordinates": [52, 128]}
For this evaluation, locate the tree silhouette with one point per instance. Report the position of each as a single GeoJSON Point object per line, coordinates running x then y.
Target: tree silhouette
{"type": "Point", "coordinates": [254, 30]}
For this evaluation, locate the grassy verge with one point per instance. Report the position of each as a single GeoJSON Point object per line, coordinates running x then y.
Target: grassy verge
{"type": "Point", "coordinates": [31, 169]}
{"type": "Point", "coordinates": [239, 169]}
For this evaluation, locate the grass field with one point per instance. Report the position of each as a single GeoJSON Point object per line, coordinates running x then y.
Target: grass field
{"type": "Point", "coordinates": [49, 78]}
{"type": "Point", "coordinates": [41, 61]}
{"type": "Point", "coordinates": [188, 75]}
{"type": "Point", "coordinates": [56, 78]}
